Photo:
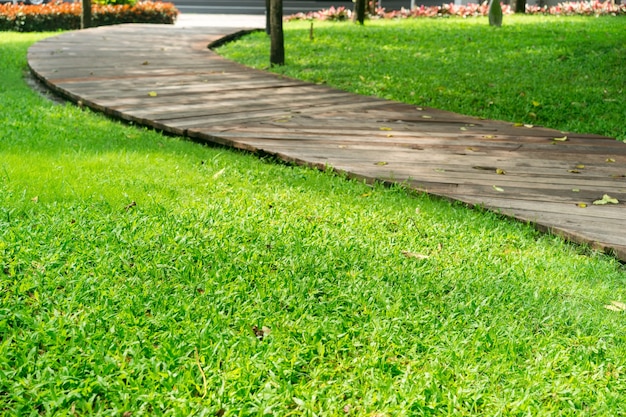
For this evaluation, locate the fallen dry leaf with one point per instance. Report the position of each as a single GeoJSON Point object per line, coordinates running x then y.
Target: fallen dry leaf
{"type": "Point", "coordinates": [385, 128]}
{"type": "Point", "coordinates": [262, 332]}
{"type": "Point", "coordinates": [152, 94]}
{"type": "Point", "coordinates": [500, 171]}
{"type": "Point", "coordinates": [561, 139]}
{"type": "Point", "coordinates": [619, 304]}
{"type": "Point", "coordinates": [606, 199]}
{"type": "Point", "coordinates": [498, 189]}
{"type": "Point", "coordinates": [582, 205]}
{"type": "Point", "coordinates": [381, 163]}
{"type": "Point", "coordinates": [414, 255]}
{"type": "Point", "coordinates": [610, 160]}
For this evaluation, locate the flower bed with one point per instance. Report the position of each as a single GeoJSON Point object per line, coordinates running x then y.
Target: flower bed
{"type": "Point", "coordinates": [67, 16]}
{"type": "Point", "coordinates": [594, 8]}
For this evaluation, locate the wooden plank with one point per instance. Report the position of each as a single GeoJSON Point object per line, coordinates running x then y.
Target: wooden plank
{"type": "Point", "coordinates": [207, 98]}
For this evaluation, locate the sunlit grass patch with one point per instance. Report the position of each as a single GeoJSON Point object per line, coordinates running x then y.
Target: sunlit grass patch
{"type": "Point", "coordinates": [135, 268]}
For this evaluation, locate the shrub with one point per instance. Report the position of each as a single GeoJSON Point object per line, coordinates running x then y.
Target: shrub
{"type": "Point", "coordinates": [66, 16]}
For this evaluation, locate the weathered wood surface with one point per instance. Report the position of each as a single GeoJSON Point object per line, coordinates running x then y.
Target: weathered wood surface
{"type": "Point", "coordinates": [165, 77]}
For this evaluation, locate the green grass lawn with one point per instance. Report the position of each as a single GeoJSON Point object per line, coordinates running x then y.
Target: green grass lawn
{"type": "Point", "coordinates": [564, 73]}
{"type": "Point", "coordinates": [134, 266]}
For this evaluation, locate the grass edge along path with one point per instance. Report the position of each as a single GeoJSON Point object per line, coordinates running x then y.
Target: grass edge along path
{"type": "Point", "coordinates": [135, 266]}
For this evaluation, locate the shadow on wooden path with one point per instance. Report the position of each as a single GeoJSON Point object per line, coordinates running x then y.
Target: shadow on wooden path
{"type": "Point", "coordinates": [166, 78]}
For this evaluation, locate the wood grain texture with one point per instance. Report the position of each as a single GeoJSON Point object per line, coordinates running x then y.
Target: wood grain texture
{"type": "Point", "coordinates": [166, 77]}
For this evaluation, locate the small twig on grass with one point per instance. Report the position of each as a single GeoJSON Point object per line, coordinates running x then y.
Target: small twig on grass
{"type": "Point", "coordinates": [204, 382]}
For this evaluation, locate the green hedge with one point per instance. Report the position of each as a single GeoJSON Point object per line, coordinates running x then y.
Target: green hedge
{"type": "Point", "coordinates": [66, 16]}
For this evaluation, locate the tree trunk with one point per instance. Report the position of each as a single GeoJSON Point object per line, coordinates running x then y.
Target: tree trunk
{"type": "Point", "coordinates": [85, 17]}
{"type": "Point", "coordinates": [359, 11]}
{"type": "Point", "coordinates": [495, 13]}
{"type": "Point", "coordinates": [277, 51]}
{"type": "Point", "coordinates": [268, 29]}
{"type": "Point", "coordinates": [520, 6]}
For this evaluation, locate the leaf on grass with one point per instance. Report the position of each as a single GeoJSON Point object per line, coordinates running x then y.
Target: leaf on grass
{"type": "Point", "coordinates": [152, 94]}
{"type": "Point", "coordinates": [414, 255]}
{"type": "Point", "coordinates": [261, 333]}
{"type": "Point", "coordinates": [381, 163]}
{"type": "Point", "coordinates": [385, 128]}
{"type": "Point", "coordinates": [219, 173]}
{"type": "Point", "coordinates": [498, 189]}
{"type": "Point", "coordinates": [561, 139]}
{"type": "Point", "coordinates": [536, 103]}
{"type": "Point", "coordinates": [582, 205]}
{"type": "Point", "coordinates": [35, 199]}
{"type": "Point", "coordinates": [128, 207]}
{"type": "Point", "coordinates": [366, 195]}
{"type": "Point", "coordinates": [606, 199]}
{"type": "Point", "coordinates": [619, 304]}
{"type": "Point", "coordinates": [616, 306]}
{"type": "Point", "coordinates": [500, 171]}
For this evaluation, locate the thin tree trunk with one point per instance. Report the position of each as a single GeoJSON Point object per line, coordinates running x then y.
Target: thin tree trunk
{"type": "Point", "coordinates": [520, 6]}
{"type": "Point", "coordinates": [359, 11]}
{"type": "Point", "coordinates": [85, 17]}
{"type": "Point", "coordinates": [277, 51]}
{"type": "Point", "coordinates": [495, 13]}
{"type": "Point", "coordinates": [268, 29]}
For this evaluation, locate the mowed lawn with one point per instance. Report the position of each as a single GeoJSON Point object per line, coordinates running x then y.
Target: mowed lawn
{"type": "Point", "coordinates": [145, 275]}
{"type": "Point", "coordinates": [566, 73]}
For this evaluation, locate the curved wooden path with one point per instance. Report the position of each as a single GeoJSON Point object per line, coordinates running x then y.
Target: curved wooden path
{"type": "Point", "coordinates": [166, 77]}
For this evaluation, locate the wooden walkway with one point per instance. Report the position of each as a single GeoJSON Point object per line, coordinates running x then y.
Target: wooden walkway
{"type": "Point", "coordinates": [166, 78]}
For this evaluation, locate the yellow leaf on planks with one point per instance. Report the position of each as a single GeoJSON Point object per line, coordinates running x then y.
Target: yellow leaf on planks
{"type": "Point", "coordinates": [606, 199]}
